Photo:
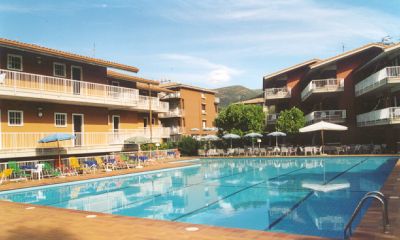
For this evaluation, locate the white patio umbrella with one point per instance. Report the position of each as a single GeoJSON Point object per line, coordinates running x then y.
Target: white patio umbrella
{"type": "Point", "coordinates": [276, 135]}
{"type": "Point", "coordinates": [252, 136]}
{"type": "Point", "coordinates": [210, 138]}
{"type": "Point", "coordinates": [231, 136]}
{"type": "Point", "coordinates": [323, 126]}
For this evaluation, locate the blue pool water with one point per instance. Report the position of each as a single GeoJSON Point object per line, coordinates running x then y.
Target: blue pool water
{"type": "Point", "coordinates": [262, 194]}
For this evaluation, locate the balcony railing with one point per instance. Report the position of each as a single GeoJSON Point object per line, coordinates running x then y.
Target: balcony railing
{"type": "Point", "coordinates": [171, 113]}
{"type": "Point", "coordinates": [384, 116]}
{"type": "Point", "coordinates": [381, 78]}
{"type": "Point", "coordinates": [321, 86]}
{"type": "Point", "coordinates": [334, 116]}
{"type": "Point", "coordinates": [271, 118]}
{"type": "Point", "coordinates": [173, 95]}
{"type": "Point", "coordinates": [217, 100]}
{"type": "Point", "coordinates": [176, 130]}
{"type": "Point", "coordinates": [29, 140]}
{"type": "Point", "coordinates": [276, 93]}
{"type": "Point", "coordinates": [34, 86]}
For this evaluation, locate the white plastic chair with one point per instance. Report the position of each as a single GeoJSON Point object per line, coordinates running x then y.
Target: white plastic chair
{"type": "Point", "coordinates": [38, 171]}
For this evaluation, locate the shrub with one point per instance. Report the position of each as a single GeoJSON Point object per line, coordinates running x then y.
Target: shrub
{"type": "Point", "coordinates": [188, 146]}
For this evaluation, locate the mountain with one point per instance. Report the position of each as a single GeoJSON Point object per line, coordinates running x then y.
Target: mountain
{"type": "Point", "coordinates": [232, 94]}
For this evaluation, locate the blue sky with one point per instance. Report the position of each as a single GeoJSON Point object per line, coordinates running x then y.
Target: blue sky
{"type": "Point", "coordinates": [209, 43]}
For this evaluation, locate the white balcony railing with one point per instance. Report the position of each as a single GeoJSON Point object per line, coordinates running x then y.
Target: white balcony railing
{"type": "Point", "coordinates": [34, 86]}
{"type": "Point", "coordinates": [176, 130]}
{"type": "Point", "coordinates": [171, 113]}
{"type": "Point", "coordinates": [381, 78]}
{"type": "Point", "coordinates": [334, 116]}
{"type": "Point", "coordinates": [383, 116]}
{"type": "Point", "coordinates": [156, 104]}
{"type": "Point", "coordinates": [322, 85]}
{"type": "Point", "coordinates": [203, 112]}
{"type": "Point", "coordinates": [217, 100]}
{"type": "Point", "coordinates": [276, 93]}
{"type": "Point", "coordinates": [271, 118]}
{"type": "Point", "coordinates": [29, 140]}
{"type": "Point", "coordinates": [173, 95]}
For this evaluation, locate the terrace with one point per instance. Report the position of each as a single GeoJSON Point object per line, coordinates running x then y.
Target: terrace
{"type": "Point", "coordinates": [27, 86]}
{"type": "Point", "coordinates": [330, 85]}
{"type": "Point", "coordinates": [22, 144]}
{"type": "Point", "coordinates": [386, 78]}
{"type": "Point", "coordinates": [333, 116]}
{"type": "Point", "coordinates": [277, 93]}
{"type": "Point", "coordinates": [385, 116]}
{"type": "Point", "coordinates": [172, 113]}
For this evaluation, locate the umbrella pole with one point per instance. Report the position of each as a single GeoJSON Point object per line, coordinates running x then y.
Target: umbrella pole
{"type": "Point", "coordinates": [231, 143]}
{"type": "Point", "coordinates": [276, 141]}
{"type": "Point", "coordinates": [322, 138]}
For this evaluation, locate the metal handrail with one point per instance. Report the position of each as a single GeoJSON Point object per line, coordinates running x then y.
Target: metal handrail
{"type": "Point", "coordinates": [385, 217]}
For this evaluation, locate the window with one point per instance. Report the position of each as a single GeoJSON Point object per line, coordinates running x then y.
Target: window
{"type": "Point", "coordinates": [115, 83]}
{"type": "Point", "coordinates": [60, 119]}
{"type": "Point", "coordinates": [59, 70]}
{"type": "Point", "coordinates": [204, 123]}
{"type": "Point", "coordinates": [15, 118]}
{"type": "Point", "coordinates": [14, 62]}
{"type": "Point", "coordinates": [203, 107]}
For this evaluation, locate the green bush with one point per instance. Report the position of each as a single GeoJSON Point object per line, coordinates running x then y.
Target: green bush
{"type": "Point", "coordinates": [188, 146]}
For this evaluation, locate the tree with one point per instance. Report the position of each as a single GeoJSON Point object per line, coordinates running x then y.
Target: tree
{"type": "Point", "coordinates": [290, 121]}
{"type": "Point", "coordinates": [241, 119]}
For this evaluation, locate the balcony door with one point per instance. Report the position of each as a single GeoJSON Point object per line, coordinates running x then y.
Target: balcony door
{"type": "Point", "coordinates": [115, 123]}
{"type": "Point", "coordinates": [76, 74]}
{"type": "Point", "coordinates": [77, 125]}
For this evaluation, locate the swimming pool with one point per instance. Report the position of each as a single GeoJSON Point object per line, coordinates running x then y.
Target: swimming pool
{"type": "Point", "coordinates": [311, 196]}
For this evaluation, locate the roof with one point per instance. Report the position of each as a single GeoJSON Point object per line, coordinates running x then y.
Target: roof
{"type": "Point", "coordinates": [294, 67]}
{"type": "Point", "coordinates": [126, 77]}
{"type": "Point", "coordinates": [387, 51]}
{"type": "Point", "coordinates": [291, 68]}
{"type": "Point", "coordinates": [347, 54]}
{"type": "Point", "coordinates": [170, 85]}
{"type": "Point", "coordinates": [252, 101]}
{"type": "Point", "coordinates": [154, 88]}
{"type": "Point", "coordinates": [66, 55]}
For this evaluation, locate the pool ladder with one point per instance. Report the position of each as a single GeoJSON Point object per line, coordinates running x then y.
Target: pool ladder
{"type": "Point", "coordinates": [385, 218]}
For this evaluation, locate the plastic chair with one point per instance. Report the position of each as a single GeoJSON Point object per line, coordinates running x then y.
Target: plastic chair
{"type": "Point", "coordinates": [38, 171]}
{"type": "Point", "coordinates": [5, 174]}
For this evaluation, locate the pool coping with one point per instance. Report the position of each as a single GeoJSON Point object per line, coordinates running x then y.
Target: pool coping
{"type": "Point", "coordinates": [362, 231]}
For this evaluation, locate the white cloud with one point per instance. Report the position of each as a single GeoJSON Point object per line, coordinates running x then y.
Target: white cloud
{"type": "Point", "coordinates": [198, 70]}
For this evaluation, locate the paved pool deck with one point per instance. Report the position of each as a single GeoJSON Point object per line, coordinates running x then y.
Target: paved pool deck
{"type": "Point", "coordinates": [25, 221]}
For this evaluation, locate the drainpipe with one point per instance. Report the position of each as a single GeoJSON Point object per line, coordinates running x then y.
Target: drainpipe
{"type": "Point", "coordinates": [151, 116]}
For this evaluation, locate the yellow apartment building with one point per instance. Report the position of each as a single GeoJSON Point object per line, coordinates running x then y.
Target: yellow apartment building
{"type": "Point", "coordinates": [192, 110]}
{"type": "Point", "coordinates": [45, 91]}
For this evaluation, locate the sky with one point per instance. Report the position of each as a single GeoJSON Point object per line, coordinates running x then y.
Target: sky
{"type": "Point", "coordinates": [207, 43]}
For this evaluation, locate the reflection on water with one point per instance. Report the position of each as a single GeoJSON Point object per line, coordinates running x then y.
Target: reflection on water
{"type": "Point", "coordinates": [263, 194]}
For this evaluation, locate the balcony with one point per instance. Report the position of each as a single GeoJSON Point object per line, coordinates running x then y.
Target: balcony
{"type": "Point", "coordinates": [271, 118]}
{"type": "Point", "coordinates": [384, 116]}
{"type": "Point", "coordinates": [385, 78]}
{"type": "Point", "coordinates": [322, 86]}
{"type": "Point", "coordinates": [26, 143]}
{"type": "Point", "coordinates": [33, 87]}
{"type": "Point", "coordinates": [176, 130]}
{"type": "Point", "coordinates": [277, 93]}
{"type": "Point", "coordinates": [203, 112]}
{"type": "Point", "coordinates": [173, 95]}
{"type": "Point", "coordinates": [217, 100]}
{"type": "Point", "coordinates": [333, 116]}
{"type": "Point", "coordinates": [156, 104]}
{"type": "Point", "coordinates": [172, 113]}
